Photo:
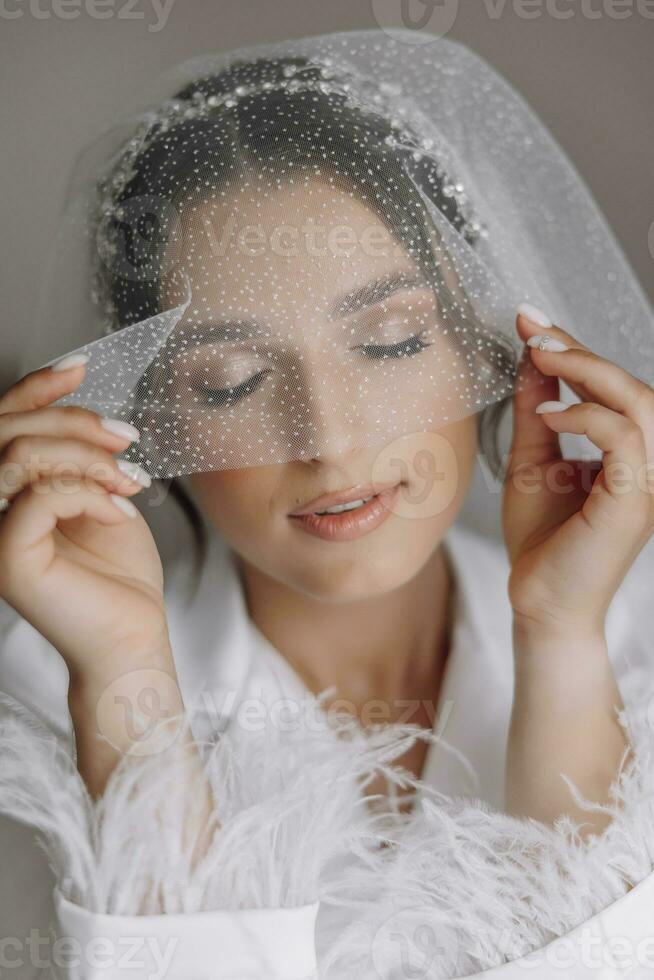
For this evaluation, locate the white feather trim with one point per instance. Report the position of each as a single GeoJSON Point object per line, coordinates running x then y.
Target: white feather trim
{"type": "Point", "coordinates": [286, 803]}
{"type": "Point", "coordinates": [465, 888]}
{"type": "Point", "coordinates": [472, 886]}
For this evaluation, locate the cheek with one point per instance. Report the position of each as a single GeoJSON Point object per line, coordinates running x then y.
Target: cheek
{"type": "Point", "coordinates": [462, 437]}
{"type": "Point", "coordinates": [465, 441]}
{"type": "Point", "coordinates": [237, 502]}
{"type": "Point", "coordinates": [436, 468]}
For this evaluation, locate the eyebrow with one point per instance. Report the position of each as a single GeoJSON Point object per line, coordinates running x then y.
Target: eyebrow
{"type": "Point", "coordinates": [375, 292]}
{"type": "Point", "coordinates": [223, 330]}
{"type": "Point", "coordinates": [217, 331]}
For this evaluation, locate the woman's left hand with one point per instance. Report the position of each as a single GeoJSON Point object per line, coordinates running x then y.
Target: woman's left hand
{"type": "Point", "coordinates": [572, 529]}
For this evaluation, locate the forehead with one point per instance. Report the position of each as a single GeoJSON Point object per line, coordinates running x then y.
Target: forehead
{"type": "Point", "coordinates": [298, 242]}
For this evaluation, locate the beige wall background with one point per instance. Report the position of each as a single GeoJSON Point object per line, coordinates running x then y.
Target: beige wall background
{"type": "Point", "coordinates": [587, 66]}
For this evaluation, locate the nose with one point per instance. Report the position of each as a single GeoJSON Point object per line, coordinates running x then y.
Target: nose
{"type": "Point", "coordinates": [326, 423]}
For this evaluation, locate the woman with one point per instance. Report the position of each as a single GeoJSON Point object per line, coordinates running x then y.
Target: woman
{"type": "Point", "coordinates": [323, 394]}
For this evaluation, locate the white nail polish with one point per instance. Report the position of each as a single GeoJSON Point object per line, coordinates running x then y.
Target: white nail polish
{"type": "Point", "coordinates": [535, 315]}
{"type": "Point", "coordinates": [119, 428]}
{"type": "Point", "coordinates": [125, 505]}
{"type": "Point", "coordinates": [70, 361]}
{"type": "Point", "coordinates": [134, 472]}
{"type": "Point", "coordinates": [547, 343]}
{"type": "Point", "coordinates": [551, 407]}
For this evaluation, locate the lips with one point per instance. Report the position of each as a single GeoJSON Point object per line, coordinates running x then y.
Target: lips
{"type": "Point", "coordinates": [371, 505]}
{"type": "Point", "coordinates": [359, 492]}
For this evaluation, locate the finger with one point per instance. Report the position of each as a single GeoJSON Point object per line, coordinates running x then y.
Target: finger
{"type": "Point", "coordinates": [42, 387]}
{"type": "Point", "coordinates": [26, 539]}
{"type": "Point", "coordinates": [591, 377]}
{"type": "Point", "coordinates": [595, 377]}
{"type": "Point", "coordinates": [69, 422]}
{"type": "Point", "coordinates": [530, 318]}
{"type": "Point", "coordinates": [622, 482]}
{"type": "Point", "coordinates": [533, 442]}
{"type": "Point", "coordinates": [30, 459]}
{"type": "Point", "coordinates": [533, 322]}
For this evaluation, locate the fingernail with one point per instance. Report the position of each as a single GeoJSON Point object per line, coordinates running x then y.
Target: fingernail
{"type": "Point", "coordinates": [123, 504]}
{"type": "Point", "coordinates": [551, 407]}
{"type": "Point", "coordinates": [70, 361]}
{"type": "Point", "coordinates": [534, 314]}
{"type": "Point", "coordinates": [546, 343]}
{"type": "Point", "coordinates": [134, 472]}
{"type": "Point", "coordinates": [119, 428]}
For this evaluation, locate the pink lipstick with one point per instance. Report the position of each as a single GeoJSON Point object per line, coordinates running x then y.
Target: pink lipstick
{"type": "Point", "coordinates": [347, 514]}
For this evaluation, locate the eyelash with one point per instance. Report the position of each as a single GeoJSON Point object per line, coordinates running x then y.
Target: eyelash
{"type": "Point", "coordinates": [413, 345]}
{"type": "Point", "coordinates": [224, 396]}
{"type": "Point", "coordinates": [404, 348]}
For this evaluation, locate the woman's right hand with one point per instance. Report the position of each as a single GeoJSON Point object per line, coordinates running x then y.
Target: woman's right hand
{"type": "Point", "coordinates": [77, 560]}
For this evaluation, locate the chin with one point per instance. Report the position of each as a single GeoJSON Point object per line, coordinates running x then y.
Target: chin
{"type": "Point", "coordinates": [354, 578]}
{"type": "Point", "coordinates": [355, 585]}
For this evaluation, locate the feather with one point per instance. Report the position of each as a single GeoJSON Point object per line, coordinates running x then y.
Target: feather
{"type": "Point", "coordinates": [451, 884]}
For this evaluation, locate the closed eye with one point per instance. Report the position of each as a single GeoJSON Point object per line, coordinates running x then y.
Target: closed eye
{"type": "Point", "coordinates": [404, 348]}
{"type": "Point", "coordinates": [228, 396]}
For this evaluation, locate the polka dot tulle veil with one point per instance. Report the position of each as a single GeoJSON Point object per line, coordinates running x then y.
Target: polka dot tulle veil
{"type": "Point", "coordinates": [309, 247]}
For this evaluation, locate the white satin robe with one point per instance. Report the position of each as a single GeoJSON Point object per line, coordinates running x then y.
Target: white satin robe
{"type": "Point", "coordinates": [223, 659]}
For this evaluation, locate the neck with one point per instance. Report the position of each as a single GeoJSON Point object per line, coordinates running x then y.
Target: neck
{"type": "Point", "coordinates": [378, 653]}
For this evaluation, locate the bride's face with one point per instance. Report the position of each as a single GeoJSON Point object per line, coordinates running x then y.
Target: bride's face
{"type": "Point", "coordinates": [300, 265]}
